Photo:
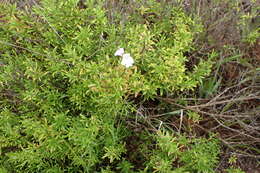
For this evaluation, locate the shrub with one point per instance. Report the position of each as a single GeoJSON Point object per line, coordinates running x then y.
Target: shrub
{"type": "Point", "coordinates": [188, 155]}
{"type": "Point", "coordinates": [64, 95]}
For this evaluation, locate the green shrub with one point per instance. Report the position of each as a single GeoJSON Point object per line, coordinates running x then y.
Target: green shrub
{"type": "Point", "coordinates": [64, 95]}
{"type": "Point", "coordinates": [188, 155]}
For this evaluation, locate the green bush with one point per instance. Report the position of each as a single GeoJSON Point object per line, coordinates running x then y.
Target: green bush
{"type": "Point", "coordinates": [65, 96]}
{"type": "Point", "coordinates": [188, 155]}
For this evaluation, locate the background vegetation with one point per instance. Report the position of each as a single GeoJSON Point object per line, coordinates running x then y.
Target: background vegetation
{"type": "Point", "coordinates": [190, 102]}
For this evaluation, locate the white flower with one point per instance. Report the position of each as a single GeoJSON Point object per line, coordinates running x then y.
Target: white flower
{"type": "Point", "coordinates": [120, 52]}
{"type": "Point", "coordinates": [127, 60]}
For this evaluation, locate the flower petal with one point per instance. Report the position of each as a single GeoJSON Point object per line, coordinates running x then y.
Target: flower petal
{"type": "Point", "coordinates": [119, 52]}
{"type": "Point", "coordinates": [127, 60]}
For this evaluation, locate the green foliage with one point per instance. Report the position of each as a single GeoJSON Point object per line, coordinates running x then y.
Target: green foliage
{"type": "Point", "coordinates": [234, 170]}
{"type": "Point", "coordinates": [125, 167]}
{"type": "Point", "coordinates": [194, 116]}
{"type": "Point", "coordinates": [188, 155]}
{"type": "Point", "coordinates": [252, 37]}
{"type": "Point", "coordinates": [249, 24]}
{"type": "Point", "coordinates": [65, 96]}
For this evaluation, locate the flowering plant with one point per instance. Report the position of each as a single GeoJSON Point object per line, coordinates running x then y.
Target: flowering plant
{"type": "Point", "coordinates": [64, 102]}
{"type": "Point", "coordinates": [127, 60]}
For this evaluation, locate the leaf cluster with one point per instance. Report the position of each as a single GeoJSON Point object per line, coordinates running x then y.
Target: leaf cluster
{"type": "Point", "coordinates": [64, 96]}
